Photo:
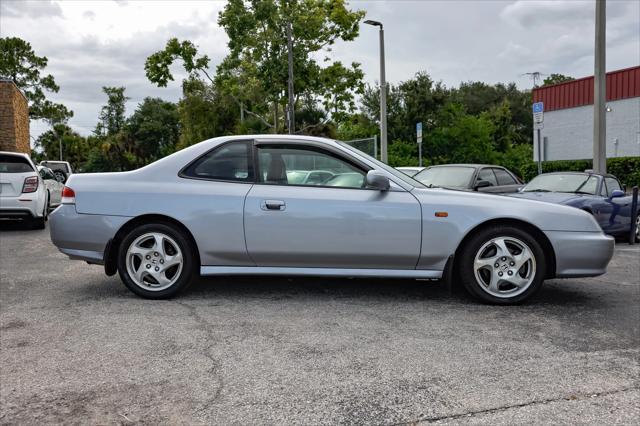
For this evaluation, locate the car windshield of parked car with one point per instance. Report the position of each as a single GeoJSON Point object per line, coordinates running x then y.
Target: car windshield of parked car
{"type": "Point", "coordinates": [381, 166]}
{"type": "Point", "coordinates": [446, 177]}
{"type": "Point", "coordinates": [573, 183]}
{"type": "Point", "coordinates": [14, 164]}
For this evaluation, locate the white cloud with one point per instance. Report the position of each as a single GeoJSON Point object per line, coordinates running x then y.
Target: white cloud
{"type": "Point", "coordinates": [30, 9]}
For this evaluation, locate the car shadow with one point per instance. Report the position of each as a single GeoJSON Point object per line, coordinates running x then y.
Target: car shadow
{"type": "Point", "coordinates": [358, 290]}
{"type": "Point", "coordinates": [15, 225]}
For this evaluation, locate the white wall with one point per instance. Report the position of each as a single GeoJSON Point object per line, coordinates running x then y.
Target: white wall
{"type": "Point", "coordinates": [569, 132]}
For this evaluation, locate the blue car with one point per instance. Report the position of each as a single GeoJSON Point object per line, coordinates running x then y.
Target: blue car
{"type": "Point", "coordinates": [600, 195]}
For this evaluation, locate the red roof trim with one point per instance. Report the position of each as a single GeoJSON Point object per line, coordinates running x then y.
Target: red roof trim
{"type": "Point", "coordinates": [621, 84]}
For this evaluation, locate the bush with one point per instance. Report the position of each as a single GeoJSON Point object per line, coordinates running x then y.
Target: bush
{"type": "Point", "coordinates": [626, 169]}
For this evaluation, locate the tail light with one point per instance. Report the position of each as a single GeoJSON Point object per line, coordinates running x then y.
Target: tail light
{"type": "Point", "coordinates": [30, 184]}
{"type": "Point", "coordinates": [68, 196]}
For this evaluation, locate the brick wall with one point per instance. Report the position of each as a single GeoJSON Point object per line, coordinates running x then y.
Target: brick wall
{"type": "Point", "coordinates": [14, 119]}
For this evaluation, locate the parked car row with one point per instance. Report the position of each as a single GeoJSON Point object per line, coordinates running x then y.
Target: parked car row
{"type": "Point", "coordinates": [294, 205]}
{"type": "Point", "coordinates": [27, 191]}
{"type": "Point", "coordinates": [599, 195]}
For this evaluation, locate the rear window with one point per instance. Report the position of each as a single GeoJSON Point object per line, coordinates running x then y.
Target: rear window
{"type": "Point", "coordinates": [14, 164]}
{"type": "Point", "coordinates": [55, 166]}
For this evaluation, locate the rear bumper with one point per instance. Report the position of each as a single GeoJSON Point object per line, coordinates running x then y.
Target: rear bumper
{"type": "Point", "coordinates": [581, 254]}
{"type": "Point", "coordinates": [83, 236]}
{"type": "Point", "coordinates": [23, 207]}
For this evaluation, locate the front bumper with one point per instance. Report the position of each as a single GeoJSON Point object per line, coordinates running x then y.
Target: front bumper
{"type": "Point", "coordinates": [581, 254]}
{"type": "Point", "coordinates": [83, 236]}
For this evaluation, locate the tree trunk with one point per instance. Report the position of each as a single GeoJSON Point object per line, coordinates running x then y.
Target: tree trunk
{"type": "Point", "coordinates": [275, 116]}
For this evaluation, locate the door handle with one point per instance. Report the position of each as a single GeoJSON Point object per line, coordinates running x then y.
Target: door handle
{"type": "Point", "coordinates": [273, 205]}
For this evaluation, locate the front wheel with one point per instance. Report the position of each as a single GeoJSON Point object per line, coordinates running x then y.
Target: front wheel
{"type": "Point", "coordinates": [502, 265]}
{"type": "Point", "coordinates": [156, 261]}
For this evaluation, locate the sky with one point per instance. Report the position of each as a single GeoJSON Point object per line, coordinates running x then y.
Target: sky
{"type": "Point", "coordinates": [98, 43]}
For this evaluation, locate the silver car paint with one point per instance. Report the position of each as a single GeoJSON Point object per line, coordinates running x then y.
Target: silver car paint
{"type": "Point", "coordinates": [331, 228]}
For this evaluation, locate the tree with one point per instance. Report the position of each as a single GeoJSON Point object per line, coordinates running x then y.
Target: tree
{"type": "Point", "coordinates": [112, 118]}
{"type": "Point", "coordinates": [555, 79]}
{"type": "Point", "coordinates": [154, 129]}
{"type": "Point", "coordinates": [74, 146]}
{"type": "Point", "coordinates": [20, 64]}
{"type": "Point", "coordinates": [254, 74]}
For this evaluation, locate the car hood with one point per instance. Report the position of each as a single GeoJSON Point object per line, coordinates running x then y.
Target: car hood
{"type": "Point", "coordinates": [549, 197]}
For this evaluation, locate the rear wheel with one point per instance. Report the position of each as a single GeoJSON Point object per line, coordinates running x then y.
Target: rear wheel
{"type": "Point", "coordinates": [502, 265]}
{"type": "Point", "coordinates": [638, 228]}
{"type": "Point", "coordinates": [39, 222]}
{"type": "Point", "coordinates": [156, 261]}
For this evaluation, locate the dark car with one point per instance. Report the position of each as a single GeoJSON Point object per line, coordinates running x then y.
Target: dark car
{"type": "Point", "coordinates": [600, 195]}
{"type": "Point", "coordinates": [470, 177]}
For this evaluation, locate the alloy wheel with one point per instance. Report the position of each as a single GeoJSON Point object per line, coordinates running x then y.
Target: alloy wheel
{"type": "Point", "coordinates": [504, 267]}
{"type": "Point", "coordinates": [154, 261]}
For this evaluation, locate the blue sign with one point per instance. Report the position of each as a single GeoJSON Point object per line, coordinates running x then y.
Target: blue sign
{"type": "Point", "coordinates": [419, 132]}
{"type": "Point", "coordinates": [538, 107]}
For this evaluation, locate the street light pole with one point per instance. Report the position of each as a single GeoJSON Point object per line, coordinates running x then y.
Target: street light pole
{"type": "Point", "coordinates": [383, 94]}
{"type": "Point", "coordinates": [291, 112]}
{"type": "Point", "coordinates": [600, 92]}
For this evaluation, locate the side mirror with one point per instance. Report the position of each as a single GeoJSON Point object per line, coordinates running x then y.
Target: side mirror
{"type": "Point", "coordinates": [482, 184]}
{"type": "Point", "coordinates": [617, 193]}
{"type": "Point", "coordinates": [376, 180]}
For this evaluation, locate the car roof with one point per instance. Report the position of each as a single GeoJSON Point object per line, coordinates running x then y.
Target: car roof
{"type": "Point", "coordinates": [16, 154]}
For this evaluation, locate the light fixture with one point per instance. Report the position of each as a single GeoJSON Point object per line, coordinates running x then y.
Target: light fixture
{"type": "Point", "coordinates": [374, 23]}
{"type": "Point", "coordinates": [609, 109]}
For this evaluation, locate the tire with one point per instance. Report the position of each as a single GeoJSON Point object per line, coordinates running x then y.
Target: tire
{"type": "Point", "coordinates": [158, 280]}
{"type": "Point", "coordinates": [638, 228]}
{"type": "Point", "coordinates": [494, 276]}
{"type": "Point", "coordinates": [61, 176]}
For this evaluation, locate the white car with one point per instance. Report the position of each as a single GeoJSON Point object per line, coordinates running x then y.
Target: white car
{"type": "Point", "coordinates": [54, 186]}
{"type": "Point", "coordinates": [62, 169]}
{"type": "Point", "coordinates": [23, 194]}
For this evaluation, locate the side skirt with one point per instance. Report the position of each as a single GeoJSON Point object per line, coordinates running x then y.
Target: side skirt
{"type": "Point", "coordinates": [320, 272]}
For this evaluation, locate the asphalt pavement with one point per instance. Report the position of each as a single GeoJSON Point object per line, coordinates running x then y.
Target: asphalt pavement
{"type": "Point", "coordinates": [77, 347]}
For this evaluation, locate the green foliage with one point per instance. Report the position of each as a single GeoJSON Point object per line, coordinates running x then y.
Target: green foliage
{"type": "Point", "coordinates": [19, 63]}
{"type": "Point", "coordinates": [154, 129]}
{"type": "Point", "coordinates": [556, 78]}
{"type": "Point", "coordinates": [157, 65]}
{"type": "Point", "coordinates": [74, 147]}
{"type": "Point", "coordinates": [401, 153]}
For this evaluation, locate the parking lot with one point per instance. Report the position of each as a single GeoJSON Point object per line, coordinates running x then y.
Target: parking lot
{"type": "Point", "coordinates": [78, 347]}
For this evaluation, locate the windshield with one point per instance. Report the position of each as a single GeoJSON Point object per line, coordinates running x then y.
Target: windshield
{"type": "Point", "coordinates": [563, 183]}
{"type": "Point", "coordinates": [382, 166]}
{"type": "Point", "coordinates": [447, 177]}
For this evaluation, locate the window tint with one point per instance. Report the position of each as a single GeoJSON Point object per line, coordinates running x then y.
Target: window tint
{"type": "Point", "coordinates": [228, 162]}
{"type": "Point", "coordinates": [293, 165]}
{"type": "Point", "coordinates": [504, 178]}
{"type": "Point", "coordinates": [14, 164]}
{"type": "Point", "coordinates": [487, 174]}
{"type": "Point", "coordinates": [612, 185]}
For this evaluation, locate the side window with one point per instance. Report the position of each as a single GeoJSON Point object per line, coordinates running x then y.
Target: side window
{"type": "Point", "coordinates": [504, 178]}
{"type": "Point", "coordinates": [603, 189]}
{"type": "Point", "coordinates": [229, 162]}
{"type": "Point", "coordinates": [43, 173]}
{"type": "Point", "coordinates": [612, 185]}
{"type": "Point", "coordinates": [487, 174]}
{"type": "Point", "coordinates": [308, 166]}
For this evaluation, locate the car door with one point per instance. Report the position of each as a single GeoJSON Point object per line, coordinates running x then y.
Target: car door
{"type": "Point", "coordinates": [338, 224]}
{"type": "Point", "coordinates": [614, 212]}
{"type": "Point", "coordinates": [487, 175]}
{"type": "Point", "coordinates": [506, 181]}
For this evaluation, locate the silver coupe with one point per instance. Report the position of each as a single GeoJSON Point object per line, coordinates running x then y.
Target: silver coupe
{"type": "Point", "coordinates": [228, 206]}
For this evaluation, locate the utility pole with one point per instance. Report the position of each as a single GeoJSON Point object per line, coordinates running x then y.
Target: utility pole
{"type": "Point", "coordinates": [291, 112]}
{"type": "Point", "coordinates": [383, 94]}
{"type": "Point", "coordinates": [600, 92]}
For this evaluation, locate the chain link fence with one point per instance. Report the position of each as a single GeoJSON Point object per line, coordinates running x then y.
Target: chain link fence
{"type": "Point", "coordinates": [367, 145]}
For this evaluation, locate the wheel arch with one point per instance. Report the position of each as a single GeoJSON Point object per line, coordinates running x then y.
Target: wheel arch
{"type": "Point", "coordinates": [547, 247]}
{"type": "Point", "coordinates": [113, 245]}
